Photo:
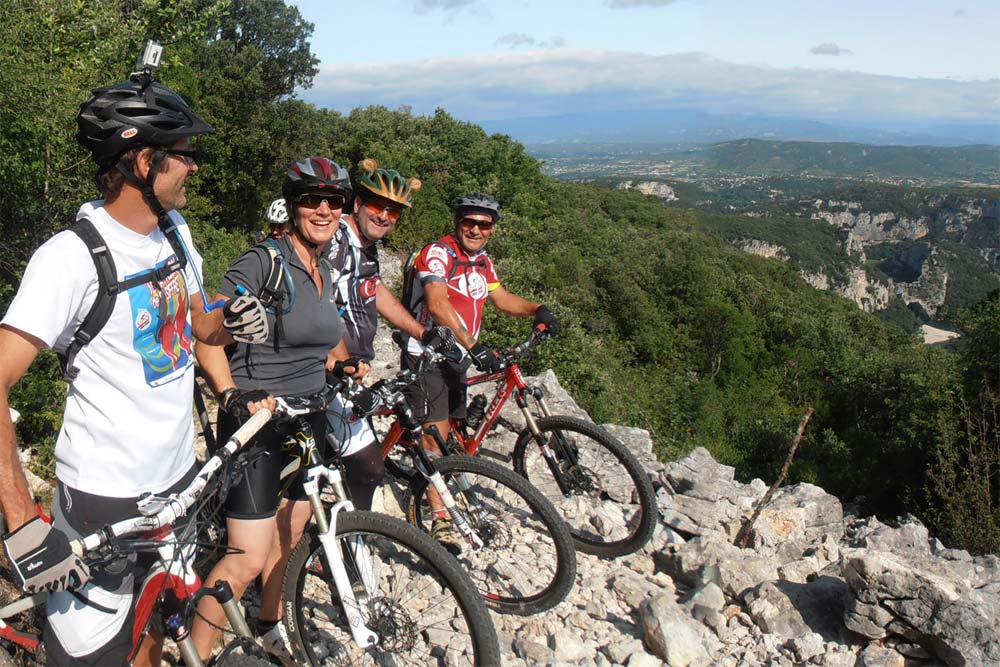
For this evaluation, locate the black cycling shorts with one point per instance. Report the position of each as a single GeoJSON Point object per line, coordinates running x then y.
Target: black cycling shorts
{"type": "Point", "coordinates": [441, 392]}
{"type": "Point", "coordinates": [258, 492]}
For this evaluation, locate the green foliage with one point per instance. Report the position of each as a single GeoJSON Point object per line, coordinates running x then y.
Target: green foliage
{"type": "Point", "coordinates": [977, 163]}
{"type": "Point", "coordinates": [39, 397]}
{"type": "Point", "coordinates": [966, 467]}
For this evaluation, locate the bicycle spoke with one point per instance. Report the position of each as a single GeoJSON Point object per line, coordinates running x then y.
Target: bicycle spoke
{"type": "Point", "coordinates": [525, 563]}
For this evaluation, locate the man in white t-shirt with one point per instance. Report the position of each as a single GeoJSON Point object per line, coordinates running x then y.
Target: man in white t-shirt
{"type": "Point", "coordinates": [127, 427]}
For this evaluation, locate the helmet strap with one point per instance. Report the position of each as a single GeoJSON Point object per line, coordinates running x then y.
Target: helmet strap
{"type": "Point", "coordinates": [162, 220]}
{"type": "Point", "coordinates": [146, 187]}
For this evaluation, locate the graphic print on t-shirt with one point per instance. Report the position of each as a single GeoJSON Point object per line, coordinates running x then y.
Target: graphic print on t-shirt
{"type": "Point", "coordinates": [161, 331]}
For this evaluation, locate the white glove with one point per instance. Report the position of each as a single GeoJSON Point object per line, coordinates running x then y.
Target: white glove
{"type": "Point", "coordinates": [245, 319]}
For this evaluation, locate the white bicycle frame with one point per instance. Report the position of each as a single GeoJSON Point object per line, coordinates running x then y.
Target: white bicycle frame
{"type": "Point", "coordinates": [327, 531]}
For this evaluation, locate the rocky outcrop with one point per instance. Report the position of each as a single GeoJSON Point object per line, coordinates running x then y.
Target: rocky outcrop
{"type": "Point", "coordinates": [654, 188]}
{"type": "Point", "coordinates": [763, 248]}
{"type": "Point", "coordinates": [812, 588]}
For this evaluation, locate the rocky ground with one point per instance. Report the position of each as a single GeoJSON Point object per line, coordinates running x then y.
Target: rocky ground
{"type": "Point", "coordinates": [815, 586]}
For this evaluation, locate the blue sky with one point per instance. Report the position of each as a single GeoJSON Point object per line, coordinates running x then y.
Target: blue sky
{"type": "Point", "coordinates": [878, 61]}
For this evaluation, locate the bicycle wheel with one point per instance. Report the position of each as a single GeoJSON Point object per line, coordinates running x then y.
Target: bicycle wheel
{"type": "Point", "coordinates": [424, 609]}
{"type": "Point", "coordinates": [607, 498]}
{"type": "Point", "coordinates": [241, 653]}
{"type": "Point", "coordinates": [526, 563]}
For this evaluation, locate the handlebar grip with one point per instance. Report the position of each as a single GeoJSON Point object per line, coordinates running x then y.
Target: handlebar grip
{"type": "Point", "coordinates": [248, 430]}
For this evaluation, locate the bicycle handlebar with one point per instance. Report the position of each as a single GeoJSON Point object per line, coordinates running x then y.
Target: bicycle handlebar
{"type": "Point", "coordinates": [158, 512]}
{"type": "Point", "coordinates": [538, 335]}
{"type": "Point", "coordinates": [390, 390]}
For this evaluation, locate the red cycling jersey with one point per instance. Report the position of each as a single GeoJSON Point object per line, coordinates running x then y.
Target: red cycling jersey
{"type": "Point", "coordinates": [470, 279]}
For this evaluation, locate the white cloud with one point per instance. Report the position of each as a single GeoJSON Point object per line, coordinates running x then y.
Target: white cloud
{"type": "Point", "coordinates": [828, 49]}
{"type": "Point", "coordinates": [521, 83]}
{"type": "Point", "coordinates": [519, 39]}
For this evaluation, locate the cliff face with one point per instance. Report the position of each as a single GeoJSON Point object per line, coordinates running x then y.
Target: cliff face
{"type": "Point", "coordinates": [899, 253]}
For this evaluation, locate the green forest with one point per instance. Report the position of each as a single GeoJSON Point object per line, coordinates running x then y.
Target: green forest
{"type": "Point", "coordinates": [665, 326]}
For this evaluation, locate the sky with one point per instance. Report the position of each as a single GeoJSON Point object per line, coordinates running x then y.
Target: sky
{"type": "Point", "coordinates": [875, 61]}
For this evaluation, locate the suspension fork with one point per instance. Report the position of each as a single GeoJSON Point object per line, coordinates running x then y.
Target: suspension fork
{"type": "Point", "coordinates": [327, 531]}
{"type": "Point", "coordinates": [178, 629]}
{"type": "Point", "coordinates": [426, 468]}
{"type": "Point", "coordinates": [551, 459]}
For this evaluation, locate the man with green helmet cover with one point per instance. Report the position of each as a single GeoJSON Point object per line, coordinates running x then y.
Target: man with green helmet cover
{"type": "Point", "coordinates": [380, 197]}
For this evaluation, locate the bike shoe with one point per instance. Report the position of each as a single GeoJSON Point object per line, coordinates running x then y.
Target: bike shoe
{"type": "Point", "coordinates": [447, 536]}
{"type": "Point", "coordinates": [276, 644]}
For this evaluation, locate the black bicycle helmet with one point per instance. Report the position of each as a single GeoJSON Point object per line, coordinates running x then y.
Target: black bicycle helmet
{"type": "Point", "coordinates": [477, 202]}
{"type": "Point", "coordinates": [315, 175]}
{"type": "Point", "coordinates": [133, 113]}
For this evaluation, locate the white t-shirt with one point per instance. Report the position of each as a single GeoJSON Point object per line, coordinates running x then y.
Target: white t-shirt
{"type": "Point", "coordinates": [127, 428]}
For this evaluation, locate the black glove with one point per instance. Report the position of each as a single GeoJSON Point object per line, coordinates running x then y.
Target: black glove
{"type": "Point", "coordinates": [440, 338]}
{"type": "Point", "coordinates": [366, 402]}
{"type": "Point", "coordinates": [339, 366]}
{"type": "Point", "coordinates": [237, 403]}
{"type": "Point", "coordinates": [484, 358]}
{"type": "Point", "coordinates": [245, 319]}
{"type": "Point", "coordinates": [545, 316]}
{"type": "Point", "coordinates": [42, 560]}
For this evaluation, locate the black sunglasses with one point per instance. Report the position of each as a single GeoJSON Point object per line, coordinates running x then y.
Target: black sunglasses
{"type": "Point", "coordinates": [316, 200]}
{"type": "Point", "coordinates": [190, 155]}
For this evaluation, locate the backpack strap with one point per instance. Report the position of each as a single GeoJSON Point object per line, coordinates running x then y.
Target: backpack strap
{"type": "Point", "coordinates": [104, 302]}
{"type": "Point", "coordinates": [408, 278]}
{"type": "Point", "coordinates": [278, 288]}
{"type": "Point", "coordinates": [108, 289]}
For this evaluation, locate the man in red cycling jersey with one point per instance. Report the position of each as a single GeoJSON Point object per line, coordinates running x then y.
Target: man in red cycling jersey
{"type": "Point", "coordinates": [453, 279]}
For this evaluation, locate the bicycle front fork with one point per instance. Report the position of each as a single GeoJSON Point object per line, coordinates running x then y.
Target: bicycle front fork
{"type": "Point", "coordinates": [176, 624]}
{"type": "Point", "coordinates": [359, 554]}
{"type": "Point", "coordinates": [551, 458]}
{"type": "Point", "coordinates": [430, 473]}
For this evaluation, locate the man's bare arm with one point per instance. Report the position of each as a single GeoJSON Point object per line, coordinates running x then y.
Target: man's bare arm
{"type": "Point", "coordinates": [17, 350]}
{"type": "Point", "coordinates": [395, 313]}
{"type": "Point", "coordinates": [512, 304]}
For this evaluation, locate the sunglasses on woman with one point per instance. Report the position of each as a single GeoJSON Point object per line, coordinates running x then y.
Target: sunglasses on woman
{"type": "Point", "coordinates": [316, 200]}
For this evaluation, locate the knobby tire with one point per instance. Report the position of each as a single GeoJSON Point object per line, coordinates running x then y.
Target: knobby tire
{"type": "Point", "coordinates": [426, 611]}
{"type": "Point", "coordinates": [527, 563]}
{"type": "Point", "coordinates": [607, 478]}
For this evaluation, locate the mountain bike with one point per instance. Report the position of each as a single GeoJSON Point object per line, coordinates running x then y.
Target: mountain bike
{"type": "Point", "coordinates": [516, 548]}
{"type": "Point", "coordinates": [365, 588]}
{"type": "Point", "coordinates": [596, 483]}
{"type": "Point", "coordinates": [172, 588]}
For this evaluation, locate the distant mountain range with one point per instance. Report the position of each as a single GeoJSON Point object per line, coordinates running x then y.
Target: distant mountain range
{"type": "Point", "coordinates": [753, 156]}
{"type": "Point", "coordinates": [674, 128]}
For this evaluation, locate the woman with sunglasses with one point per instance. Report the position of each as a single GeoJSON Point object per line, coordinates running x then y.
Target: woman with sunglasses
{"type": "Point", "coordinates": [300, 331]}
{"type": "Point", "coordinates": [453, 279]}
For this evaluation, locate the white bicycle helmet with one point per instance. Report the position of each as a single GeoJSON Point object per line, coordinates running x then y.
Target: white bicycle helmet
{"type": "Point", "coordinates": [277, 213]}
